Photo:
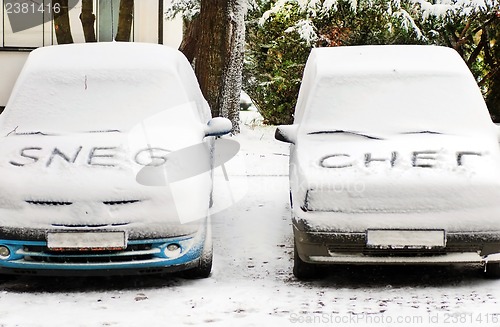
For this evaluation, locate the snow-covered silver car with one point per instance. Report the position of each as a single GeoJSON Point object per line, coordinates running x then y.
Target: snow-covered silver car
{"type": "Point", "coordinates": [106, 163]}
{"type": "Point", "coordinates": [394, 159]}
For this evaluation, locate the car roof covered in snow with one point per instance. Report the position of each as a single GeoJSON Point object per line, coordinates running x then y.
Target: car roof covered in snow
{"type": "Point", "coordinates": [389, 89]}
{"type": "Point", "coordinates": [104, 85]}
{"type": "Point", "coordinates": [105, 56]}
{"type": "Point", "coordinates": [365, 60]}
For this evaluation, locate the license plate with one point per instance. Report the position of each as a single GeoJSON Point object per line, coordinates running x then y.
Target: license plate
{"type": "Point", "coordinates": [405, 238]}
{"type": "Point", "coordinates": [93, 241]}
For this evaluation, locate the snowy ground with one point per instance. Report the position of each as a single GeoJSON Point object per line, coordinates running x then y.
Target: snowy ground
{"type": "Point", "coordinates": [252, 283]}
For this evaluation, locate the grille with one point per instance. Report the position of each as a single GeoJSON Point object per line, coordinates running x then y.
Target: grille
{"type": "Point", "coordinates": [67, 203]}
{"type": "Point", "coordinates": [403, 252]}
{"type": "Point", "coordinates": [407, 252]}
{"type": "Point", "coordinates": [122, 202]}
{"type": "Point", "coordinates": [41, 254]}
{"type": "Point", "coordinates": [49, 203]}
{"type": "Point", "coordinates": [90, 225]}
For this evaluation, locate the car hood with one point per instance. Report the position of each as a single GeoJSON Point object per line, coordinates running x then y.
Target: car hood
{"type": "Point", "coordinates": [90, 179]}
{"type": "Point", "coordinates": [420, 172]}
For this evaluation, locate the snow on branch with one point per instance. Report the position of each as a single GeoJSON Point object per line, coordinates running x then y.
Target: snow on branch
{"type": "Point", "coordinates": [311, 10]}
{"type": "Point", "coordinates": [190, 8]}
{"type": "Point", "coordinates": [306, 30]}
{"type": "Point", "coordinates": [441, 8]}
{"type": "Point", "coordinates": [408, 23]}
{"type": "Point", "coordinates": [187, 8]}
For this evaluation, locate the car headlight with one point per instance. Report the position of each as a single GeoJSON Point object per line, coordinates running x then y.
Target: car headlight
{"type": "Point", "coordinates": [4, 252]}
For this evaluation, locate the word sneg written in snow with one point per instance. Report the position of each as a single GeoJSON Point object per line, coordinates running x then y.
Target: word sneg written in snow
{"type": "Point", "coordinates": [98, 156]}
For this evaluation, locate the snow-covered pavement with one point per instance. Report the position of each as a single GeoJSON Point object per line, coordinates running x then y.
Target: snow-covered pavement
{"type": "Point", "coordinates": [252, 283]}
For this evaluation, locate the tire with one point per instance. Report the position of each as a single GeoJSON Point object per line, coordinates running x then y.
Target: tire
{"type": "Point", "coordinates": [204, 267]}
{"type": "Point", "coordinates": [303, 270]}
{"type": "Point", "coordinates": [492, 270]}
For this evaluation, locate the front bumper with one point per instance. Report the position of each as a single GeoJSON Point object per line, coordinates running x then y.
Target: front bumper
{"type": "Point", "coordinates": [141, 256]}
{"type": "Point", "coordinates": [352, 248]}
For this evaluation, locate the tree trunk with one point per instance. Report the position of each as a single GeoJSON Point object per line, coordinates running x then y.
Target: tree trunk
{"type": "Point", "coordinates": [125, 20]}
{"type": "Point", "coordinates": [231, 90]}
{"type": "Point", "coordinates": [61, 22]}
{"type": "Point", "coordinates": [87, 18]}
{"type": "Point", "coordinates": [211, 51]}
{"type": "Point", "coordinates": [190, 38]}
{"type": "Point", "coordinates": [218, 36]}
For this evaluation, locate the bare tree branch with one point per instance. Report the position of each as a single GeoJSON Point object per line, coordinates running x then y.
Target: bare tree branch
{"type": "Point", "coordinates": [125, 20]}
{"type": "Point", "coordinates": [87, 18]}
{"type": "Point", "coordinates": [61, 22]}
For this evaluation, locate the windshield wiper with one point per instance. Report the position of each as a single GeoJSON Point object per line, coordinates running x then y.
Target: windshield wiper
{"type": "Point", "coordinates": [105, 131]}
{"type": "Point", "coordinates": [423, 132]}
{"type": "Point", "coordinates": [339, 131]}
{"type": "Point", "coordinates": [15, 132]}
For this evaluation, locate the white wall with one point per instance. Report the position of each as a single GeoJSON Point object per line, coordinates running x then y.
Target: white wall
{"type": "Point", "coordinates": [11, 64]}
{"type": "Point", "coordinates": [146, 24]}
{"type": "Point", "coordinates": [172, 32]}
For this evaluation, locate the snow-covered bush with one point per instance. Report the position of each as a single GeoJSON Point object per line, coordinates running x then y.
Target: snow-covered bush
{"type": "Point", "coordinates": [472, 27]}
{"type": "Point", "coordinates": [274, 61]}
{"type": "Point", "coordinates": [280, 34]}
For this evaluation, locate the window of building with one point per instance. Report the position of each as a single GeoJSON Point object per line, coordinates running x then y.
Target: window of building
{"type": "Point", "coordinates": [147, 25]}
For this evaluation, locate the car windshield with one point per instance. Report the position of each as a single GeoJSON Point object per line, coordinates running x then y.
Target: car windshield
{"type": "Point", "coordinates": [65, 102]}
{"type": "Point", "coordinates": [381, 106]}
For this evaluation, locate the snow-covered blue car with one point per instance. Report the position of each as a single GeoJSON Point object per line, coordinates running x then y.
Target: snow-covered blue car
{"type": "Point", "coordinates": [106, 153]}
{"type": "Point", "coordinates": [394, 160]}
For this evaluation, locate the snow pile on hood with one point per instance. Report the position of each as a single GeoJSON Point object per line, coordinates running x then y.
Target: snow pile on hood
{"type": "Point", "coordinates": [411, 173]}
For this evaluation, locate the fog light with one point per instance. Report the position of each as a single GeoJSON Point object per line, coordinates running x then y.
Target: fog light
{"type": "Point", "coordinates": [173, 250]}
{"type": "Point", "coordinates": [4, 252]}
{"type": "Point", "coordinates": [173, 247]}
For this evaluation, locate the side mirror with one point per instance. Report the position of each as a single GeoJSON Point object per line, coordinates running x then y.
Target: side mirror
{"type": "Point", "coordinates": [286, 133]}
{"type": "Point", "coordinates": [218, 126]}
